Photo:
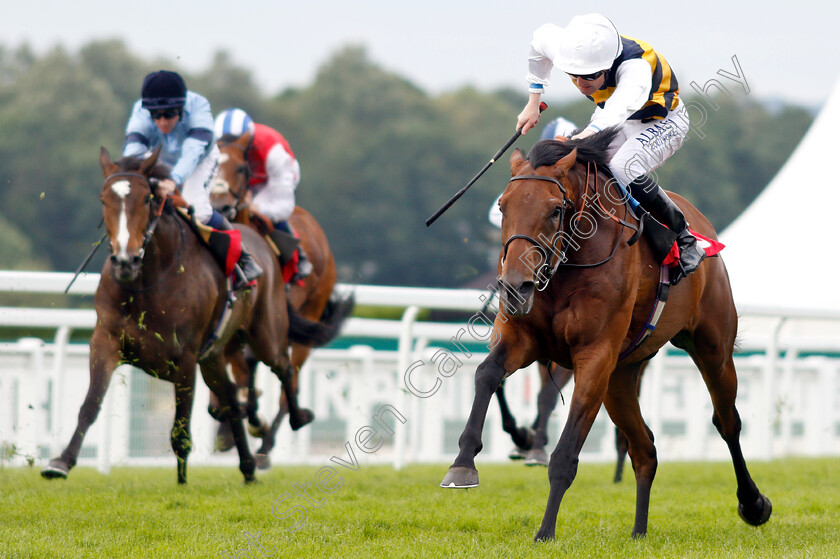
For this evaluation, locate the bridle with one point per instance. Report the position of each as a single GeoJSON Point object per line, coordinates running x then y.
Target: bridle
{"type": "Point", "coordinates": [245, 172]}
{"type": "Point", "coordinates": [154, 219]}
{"type": "Point", "coordinates": [547, 270]}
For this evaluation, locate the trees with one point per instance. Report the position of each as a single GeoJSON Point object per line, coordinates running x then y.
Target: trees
{"type": "Point", "coordinates": [378, 155]}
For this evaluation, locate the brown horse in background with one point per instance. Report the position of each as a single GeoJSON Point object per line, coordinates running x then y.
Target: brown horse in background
{"type": "Point", "coordinates": [574, 291]}
{"type": "Point", "coordinates": [314, 297]}
{"type": "Point", "coordinates": [158, 304]}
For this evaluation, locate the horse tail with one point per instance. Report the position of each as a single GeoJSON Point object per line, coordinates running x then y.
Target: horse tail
{"type": "Point", "coordinates": [337, 310]}
{"type": "Point", "coordinates": [314, 334]}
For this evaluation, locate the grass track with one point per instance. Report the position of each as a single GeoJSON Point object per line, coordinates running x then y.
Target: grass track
{"type": "Point", "coordinates": [378, 512]}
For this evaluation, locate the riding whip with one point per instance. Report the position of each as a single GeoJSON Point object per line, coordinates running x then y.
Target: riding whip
{"type": "Point", "coordinates": [84, 264]}
{"type": "Point", "coordinates": [461, 192]}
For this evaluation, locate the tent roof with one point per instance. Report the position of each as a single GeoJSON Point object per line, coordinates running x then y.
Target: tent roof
{"type": "Point", "coordinates": [784, 249]}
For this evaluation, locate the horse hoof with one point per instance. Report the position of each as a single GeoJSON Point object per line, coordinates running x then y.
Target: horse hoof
{"type": "Point", "coordinates": [259, 431]}
{"type": "Point", "coordinates": [544, 537]}
{"type": "Point", "coordinates": [55, 469]}
{"type": "Point", "coordinates": [263, 461]}
{"type": "Point", "coordinates": [223, 443]}
{"type": "Point", "coordinates": [460, 477]}
{"type": "Point", "coordinates": [536, 457]}
{"type": "Point", "coordinates": [250, 479]}
{"type": "Point", "coordinates": [517, 454]}
{"type": "Point", "coordinates": [758, 513]}
{"type": "Point", "coordinates": [304, 418]}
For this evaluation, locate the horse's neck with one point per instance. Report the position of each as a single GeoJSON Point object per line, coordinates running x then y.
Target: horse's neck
{"type": "Point", "coordinates": [165, 249]}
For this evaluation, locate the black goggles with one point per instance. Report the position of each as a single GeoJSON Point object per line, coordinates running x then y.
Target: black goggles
{"type": "Point", "coordinates": [589, 77]}
{"type": "Point", "coordinates": [165, 113]}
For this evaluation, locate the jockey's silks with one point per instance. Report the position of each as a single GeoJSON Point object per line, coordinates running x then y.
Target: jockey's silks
{"type": "Point", "coordinates": [664, 91]}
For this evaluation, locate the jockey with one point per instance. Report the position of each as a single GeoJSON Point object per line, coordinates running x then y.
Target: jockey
{"type": "Point", "coordinates": [634, 88]}
{"type": "Point", "coordinates": [180, 121]}
{"type": "Point", "coordinates": [274, 174]}
{"type": "Point", "coordinates": [557, 128]}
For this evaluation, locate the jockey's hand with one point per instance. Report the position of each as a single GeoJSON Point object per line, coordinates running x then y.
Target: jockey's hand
{"type": "Point", "coordinates": [527, 119]}
{"type": "Point", "coordinates": [530, 115]}
{"type": "Point", "coordinates": [561, 138]}
{"type": "Point", "coordinates": [166, 187]}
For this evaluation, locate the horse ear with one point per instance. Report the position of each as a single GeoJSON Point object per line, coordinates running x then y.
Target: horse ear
{"type": "Point", "coordinates": [565, 163]}
{"type": "Point", "coordinates": [517, 159]}
{"type": "Point", "coordinates": [149, 163]}
{"type": "Point", "coordinates": [244, 141]}
{"type": "Point", "coordinates": [105, 161]}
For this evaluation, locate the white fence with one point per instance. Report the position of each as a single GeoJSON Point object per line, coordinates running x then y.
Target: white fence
{"type": "Point", "coordinates": [402, 404]}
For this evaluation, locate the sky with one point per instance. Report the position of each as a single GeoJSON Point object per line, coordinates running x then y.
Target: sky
{"type": "Point", "coordinates": [785, 50]}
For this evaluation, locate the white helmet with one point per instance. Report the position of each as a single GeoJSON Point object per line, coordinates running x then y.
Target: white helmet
{"type": "Point", "coordinates": [589, 43]}
{"type": "Point", "coordinates": [233, 121]}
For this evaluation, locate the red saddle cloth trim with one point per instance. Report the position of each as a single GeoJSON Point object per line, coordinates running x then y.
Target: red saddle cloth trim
{"type": "Point", "coordinates": [711, 247]}
{"type": "Point", "coordinates": [234, 249]}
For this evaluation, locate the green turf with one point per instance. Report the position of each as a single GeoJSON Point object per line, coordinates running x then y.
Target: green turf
{"type": "Point", "coordinates": [379, 512]}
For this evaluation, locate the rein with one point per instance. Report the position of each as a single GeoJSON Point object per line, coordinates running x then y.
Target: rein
{"type": "Point", "coordinates": [547, 270]}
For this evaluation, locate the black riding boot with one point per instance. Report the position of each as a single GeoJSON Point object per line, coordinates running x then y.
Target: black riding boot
{"type": "Point", "coordinates": [247, 269]}
{"type": "Point", "coordinates": [653, 198]}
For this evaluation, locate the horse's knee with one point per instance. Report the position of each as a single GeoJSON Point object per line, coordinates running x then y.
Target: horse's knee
{"type": "Point", "coordinates": [488, 376]}
{"type": "Point", "coordinates": [562, 468]}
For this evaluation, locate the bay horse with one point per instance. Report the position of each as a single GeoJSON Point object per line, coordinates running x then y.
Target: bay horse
{"type": "Point", "coordinates": [159, 301]}
{"type": "Point", "coordinates": [314, 296]}
{"type": "Point", "coordinates": [575, 292]}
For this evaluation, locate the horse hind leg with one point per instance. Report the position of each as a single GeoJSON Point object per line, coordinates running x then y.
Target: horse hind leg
{"type": "Point", "coordinates": [721, 381]}
{"type": "Point", "coordinates": [298, 416]}
{"type": "Point", "coordinates": [553, 379]}
{"type": "Point", "coordinates": [622, 404]}
{"type": "Point", "coordinates": [216, 378]}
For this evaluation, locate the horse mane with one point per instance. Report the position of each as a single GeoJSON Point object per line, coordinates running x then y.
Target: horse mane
{"type": "Point", "coordinates": [160, 170]}
{"type": "Point", "coordinates": [589, 150]}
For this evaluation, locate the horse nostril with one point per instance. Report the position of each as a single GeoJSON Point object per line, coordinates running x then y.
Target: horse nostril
{"type": "Point", "coordinates": [135, 260]}
{"type": "Point", "coordinates": [113, 258]}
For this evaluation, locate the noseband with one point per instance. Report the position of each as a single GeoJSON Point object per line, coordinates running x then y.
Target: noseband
{"type": "Point", "coordinates": [546, 271]}
{"type": "Point", "coordinates": [153, 218]}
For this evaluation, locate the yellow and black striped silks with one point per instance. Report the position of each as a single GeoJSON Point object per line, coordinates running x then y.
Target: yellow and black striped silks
{"type": "Point", "coordinates": [664, 89]}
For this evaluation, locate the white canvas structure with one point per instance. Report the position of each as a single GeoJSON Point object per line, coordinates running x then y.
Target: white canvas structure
{"type": "Point", "coordinates": [783, 250]}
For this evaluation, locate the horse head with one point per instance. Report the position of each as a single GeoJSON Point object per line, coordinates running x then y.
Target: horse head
{"type": "Point", "coordinates": [127, 210]}
{"type": "Point", "coordinates": [534, 207]}
{"type": "Point", "coordinates": [551, 206]}
{"type": "Point", "coordinates": [229, 186]}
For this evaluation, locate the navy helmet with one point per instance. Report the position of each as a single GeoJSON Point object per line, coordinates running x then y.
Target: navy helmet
{"type": "Point", "coordinates": [163, 90]}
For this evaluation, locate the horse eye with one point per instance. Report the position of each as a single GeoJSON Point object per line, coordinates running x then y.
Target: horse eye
{"type": "Point", "coordinates": [557, 211]}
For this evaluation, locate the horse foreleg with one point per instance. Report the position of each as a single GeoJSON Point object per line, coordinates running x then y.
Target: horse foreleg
{"type": "Point", "coordinates": [590, 388]}
{"type": "Point", "coordinates": [180, 437]}
{"type": "Point", "coordinates": [104, 358]}
{"type": "Point", "coordinates": [488, 376]}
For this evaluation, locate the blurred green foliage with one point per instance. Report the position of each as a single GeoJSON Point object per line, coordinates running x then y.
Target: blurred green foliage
{"type": "Point", "coordinates": [378, 156]}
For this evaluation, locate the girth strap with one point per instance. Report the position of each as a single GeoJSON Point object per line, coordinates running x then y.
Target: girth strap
{"type": "Point", "coordinates": [662, 291]}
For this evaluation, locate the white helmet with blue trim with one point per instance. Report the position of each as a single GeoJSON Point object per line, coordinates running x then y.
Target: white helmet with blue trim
{"type": "Point", "coordinates": [233, 121]}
